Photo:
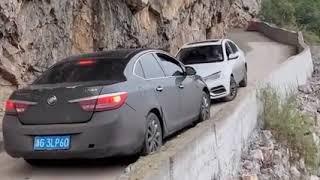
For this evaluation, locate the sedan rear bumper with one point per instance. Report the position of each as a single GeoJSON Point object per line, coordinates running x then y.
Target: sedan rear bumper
{"type": "Point", "coordinates": [107, 134]}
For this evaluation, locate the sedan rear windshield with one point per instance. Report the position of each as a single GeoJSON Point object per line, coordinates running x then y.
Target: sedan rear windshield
{"type": "Point", "coordinates": [84, 71]}
{"type": "Point", "coordinates": [202, 54]}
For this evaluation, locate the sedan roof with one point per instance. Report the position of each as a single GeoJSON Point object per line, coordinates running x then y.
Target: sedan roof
{"type": "Point", "coordinates": [123, 54]}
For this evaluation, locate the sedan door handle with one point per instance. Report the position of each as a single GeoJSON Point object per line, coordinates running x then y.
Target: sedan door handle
{"type": "Point", "coordinates": [181, 86]}
{"type": "Point", "coordinates": [159, 89]}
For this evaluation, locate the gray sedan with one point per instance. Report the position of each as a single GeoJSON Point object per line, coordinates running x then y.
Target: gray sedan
{"type": "Point", "coordinates": [119, 102]}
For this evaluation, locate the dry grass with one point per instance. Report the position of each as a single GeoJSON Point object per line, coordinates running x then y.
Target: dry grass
{"type": "Point", "coordinates": [289, 125]}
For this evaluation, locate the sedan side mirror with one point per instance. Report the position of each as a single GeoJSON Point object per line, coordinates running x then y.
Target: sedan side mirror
{"type": "Point", "coordinates": [233, 56]}
{"type": "Point", "coordinates": [190, 71]}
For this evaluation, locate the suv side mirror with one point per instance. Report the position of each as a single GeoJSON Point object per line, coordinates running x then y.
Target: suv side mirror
{"type": "Point", "coordinates": [234, 56]}
{"type": "Point", "coordinates": [190, 71]}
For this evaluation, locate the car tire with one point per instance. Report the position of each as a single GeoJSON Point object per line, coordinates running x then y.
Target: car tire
{"type": "Point", "coordinates": [233, 90]}
{"type": "Point", "coordinates": [205, 107]}
{"type": "Point", "coordinates": [153, 137]}
{"type": "Point", "coordinates": [244, 81]}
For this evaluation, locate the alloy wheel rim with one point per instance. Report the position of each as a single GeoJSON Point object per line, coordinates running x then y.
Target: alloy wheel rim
{"type": "Point", "coordinates": [153, 136]}
{"type": "Point", "coordinates": [205, 108]}
{"type": "Point", "coordinates": [233, 89]}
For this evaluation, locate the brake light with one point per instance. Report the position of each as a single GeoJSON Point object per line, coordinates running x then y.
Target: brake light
{"type": "Point", "coordinates": [88, 105]}
{"type": "Point", "coordinates": [103, 102]}
{"type": "Point", "coordinates": [15, 106]}
{"type": "Point", "coordinates": [85, 62]}
{"type": "Point", "coordinates": [10, 107]}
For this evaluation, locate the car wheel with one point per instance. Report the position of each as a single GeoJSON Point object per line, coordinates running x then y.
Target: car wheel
{"type": "Point", "coordinates": [153, 137]}
{"type": "Point", "coordinates": [233, 90]}
{"type": "Point", "coordinates": [244, 82]}
{"type": "Point", "coordinates": [205, 107]}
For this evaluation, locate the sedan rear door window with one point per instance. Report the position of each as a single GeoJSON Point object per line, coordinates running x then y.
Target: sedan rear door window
{"type": "Point", "coordinates": [151, 67]}
{"type": "Point", "coordinates": [138, 70]}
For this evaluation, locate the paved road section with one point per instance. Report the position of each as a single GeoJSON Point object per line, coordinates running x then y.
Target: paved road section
{"type": "Point", "coordinates": [263, 55]}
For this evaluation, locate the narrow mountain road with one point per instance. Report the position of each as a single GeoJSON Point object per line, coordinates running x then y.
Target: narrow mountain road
{"type": "Point", "coordinates": [263, 56]}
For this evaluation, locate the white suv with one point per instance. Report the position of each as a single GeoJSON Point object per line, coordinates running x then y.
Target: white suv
{"type": "Point", "coordinates": [221, 63]}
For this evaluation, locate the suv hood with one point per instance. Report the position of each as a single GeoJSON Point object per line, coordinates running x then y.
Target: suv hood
{"type": "Point", "coordinates": [206, 69]}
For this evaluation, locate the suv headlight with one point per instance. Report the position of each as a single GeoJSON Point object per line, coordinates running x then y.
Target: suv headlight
{"type": "Point", "coordinates": [213, 76]}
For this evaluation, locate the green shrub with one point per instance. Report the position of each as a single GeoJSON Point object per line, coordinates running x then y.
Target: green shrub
{"type": "Point", "coordinates": [311, 37]}
{"type": "Point", "coordinates": [308, 15]}
{"type": "Point", "coordinates": [289, 125]}
{"type": "Point", "coordinates": [280, 12]}
{"type": "Point", "coordinates": [295, 14]}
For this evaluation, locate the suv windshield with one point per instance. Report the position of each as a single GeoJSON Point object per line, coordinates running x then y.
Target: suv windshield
{"type": "Point", "coordinates": [84, 71]}
{"type": "Point", "coordinates": [201, 54]}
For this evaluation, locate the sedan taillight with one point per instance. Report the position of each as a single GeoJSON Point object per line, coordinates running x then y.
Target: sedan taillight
{"type": "Point", "coordinates": [102, 102]}
{"type": "Point", "coordinates": [15, 106]}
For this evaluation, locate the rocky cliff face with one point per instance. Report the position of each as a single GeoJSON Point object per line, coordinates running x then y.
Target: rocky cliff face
{"type": "Point", "coordinates": [34, 34]}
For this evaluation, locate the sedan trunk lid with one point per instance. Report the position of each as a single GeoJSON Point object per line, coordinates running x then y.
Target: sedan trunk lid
{"type": "Point", "coordinates": [53, 106]}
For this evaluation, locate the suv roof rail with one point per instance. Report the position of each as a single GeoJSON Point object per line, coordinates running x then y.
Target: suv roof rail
{"type": "Point", "coordinates": [205, 41]}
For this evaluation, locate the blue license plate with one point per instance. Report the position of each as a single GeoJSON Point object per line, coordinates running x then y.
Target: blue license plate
{"type": "Point", "coordinates": [51, 142]}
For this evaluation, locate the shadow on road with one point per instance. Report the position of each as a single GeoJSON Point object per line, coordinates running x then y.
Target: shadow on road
{"type": "Point", "coordinates": [87, 163]}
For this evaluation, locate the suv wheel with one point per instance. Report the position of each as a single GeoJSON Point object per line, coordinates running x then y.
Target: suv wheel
{"type": "Point", "coordinates": [233, 90]}
{"type": "Point", "coordinates": [153, 137]}
{"type": "Point", "coordinates": [244, 82]}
